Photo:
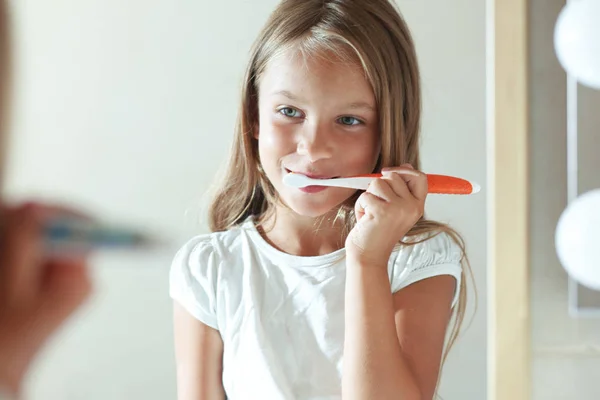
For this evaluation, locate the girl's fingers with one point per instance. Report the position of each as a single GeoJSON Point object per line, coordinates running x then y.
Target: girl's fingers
{"type": "Point", "coordinates": [368, 203]}
{"type": "Point", "coordinates": [398, 184]}
{"type": "Point", "coordinates": [382, 189]}
{"type": "Point", "coordinates": [416, 181]}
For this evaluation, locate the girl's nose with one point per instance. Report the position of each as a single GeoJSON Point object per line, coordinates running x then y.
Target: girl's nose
{"type": "Point", "coordinates": [315, 143]}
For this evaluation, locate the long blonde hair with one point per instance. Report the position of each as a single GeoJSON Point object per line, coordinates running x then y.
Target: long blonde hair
{"type": "Point", "coordinates": [372, 33]}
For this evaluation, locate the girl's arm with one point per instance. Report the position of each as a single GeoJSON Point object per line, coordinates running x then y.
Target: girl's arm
{"type": "Point", "coordinates": [199, 358]}
{"type": "Point", "coordinates": [393, 342]}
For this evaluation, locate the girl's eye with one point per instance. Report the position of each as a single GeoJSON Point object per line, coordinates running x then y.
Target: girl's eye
{"type": "Point", "coordinates": [290, 112]}
{"type": "Point", "coordinates": [349, 121]}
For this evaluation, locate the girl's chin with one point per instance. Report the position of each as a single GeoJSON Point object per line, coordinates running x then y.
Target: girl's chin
{"type": "Point", "coordinates": [305, 210]}
{"type": "Point", "coordinates": [313, 208]}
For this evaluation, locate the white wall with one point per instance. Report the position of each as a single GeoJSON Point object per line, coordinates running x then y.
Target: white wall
{"type": "Point", "coordinates": [127, 107]}
{"type": "Point", "coordinates": [566, 356]}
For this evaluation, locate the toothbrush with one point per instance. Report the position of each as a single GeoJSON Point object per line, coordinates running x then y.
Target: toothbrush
{"type": "Point", "coordinates": [72, 235]}
{"type": "Point", "coordinates": [438, 184]}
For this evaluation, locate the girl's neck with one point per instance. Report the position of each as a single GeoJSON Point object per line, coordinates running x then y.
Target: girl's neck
{"type": "Point", "coordinates": [301, 236]}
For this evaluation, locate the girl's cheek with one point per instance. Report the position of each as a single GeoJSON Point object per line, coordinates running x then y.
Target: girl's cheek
{"type": "Point", "coordinates": [278, 135]}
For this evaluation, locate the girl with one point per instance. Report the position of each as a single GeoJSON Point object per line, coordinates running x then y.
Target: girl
{"type": "Point", "coordinates": [321, 293]}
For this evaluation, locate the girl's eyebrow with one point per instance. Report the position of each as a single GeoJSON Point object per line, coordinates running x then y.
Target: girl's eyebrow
{"type": "Point", "coordinates": [354, 105]}
{"type": "Point", "coordinates": [286, 93]}
{"type": "Point", "coordinates": [361, 104]}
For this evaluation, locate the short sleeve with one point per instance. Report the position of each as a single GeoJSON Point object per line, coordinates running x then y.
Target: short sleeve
{"type": "Point", "coordinates": [438, 255]}
{"type": "Point", "coordinates": [193, 279]}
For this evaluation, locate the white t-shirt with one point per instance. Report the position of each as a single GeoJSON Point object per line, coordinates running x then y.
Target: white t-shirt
{"type": "Point", "coordinates": [281, 317]}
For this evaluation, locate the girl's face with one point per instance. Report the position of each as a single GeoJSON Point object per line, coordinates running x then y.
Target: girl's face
{"type": "Point", "coordinates": [317, 116]}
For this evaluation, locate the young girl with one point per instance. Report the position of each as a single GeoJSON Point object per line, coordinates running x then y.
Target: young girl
{"type": "Point", "coordinates": [321, 293]}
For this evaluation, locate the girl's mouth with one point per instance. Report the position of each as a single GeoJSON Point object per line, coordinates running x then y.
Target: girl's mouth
{"type": "Point", "coordinates": [310, 175]}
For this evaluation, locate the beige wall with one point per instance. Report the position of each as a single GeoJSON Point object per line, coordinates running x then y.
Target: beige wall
{"type": "Point", "coordinates": [566, 362]}
{"type": "Point", "coordinates": [127, 108]}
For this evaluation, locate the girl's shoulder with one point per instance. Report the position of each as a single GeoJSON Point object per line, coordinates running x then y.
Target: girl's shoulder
{"type": "Point", "coordinates": [212, 248]}
{"type": "Point", "coordinates": [429, 256]}
{"type": "Point", "coordinates": [430, 249]}
{"type": "Point", "coordinates": [197, 272]}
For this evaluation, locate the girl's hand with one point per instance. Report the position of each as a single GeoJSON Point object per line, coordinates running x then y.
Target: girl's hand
{"type": "Point", "coordinates": [37, 293]}
{"type": "Point", "coordinates": [385, 213]}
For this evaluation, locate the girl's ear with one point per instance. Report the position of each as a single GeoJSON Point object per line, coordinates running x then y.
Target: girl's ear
{"type": "Point", "coordinates": [255, 130]}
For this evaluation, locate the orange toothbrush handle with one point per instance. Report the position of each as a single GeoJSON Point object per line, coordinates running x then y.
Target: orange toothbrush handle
{"type": "Point", "coordinates": [443, 184]}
